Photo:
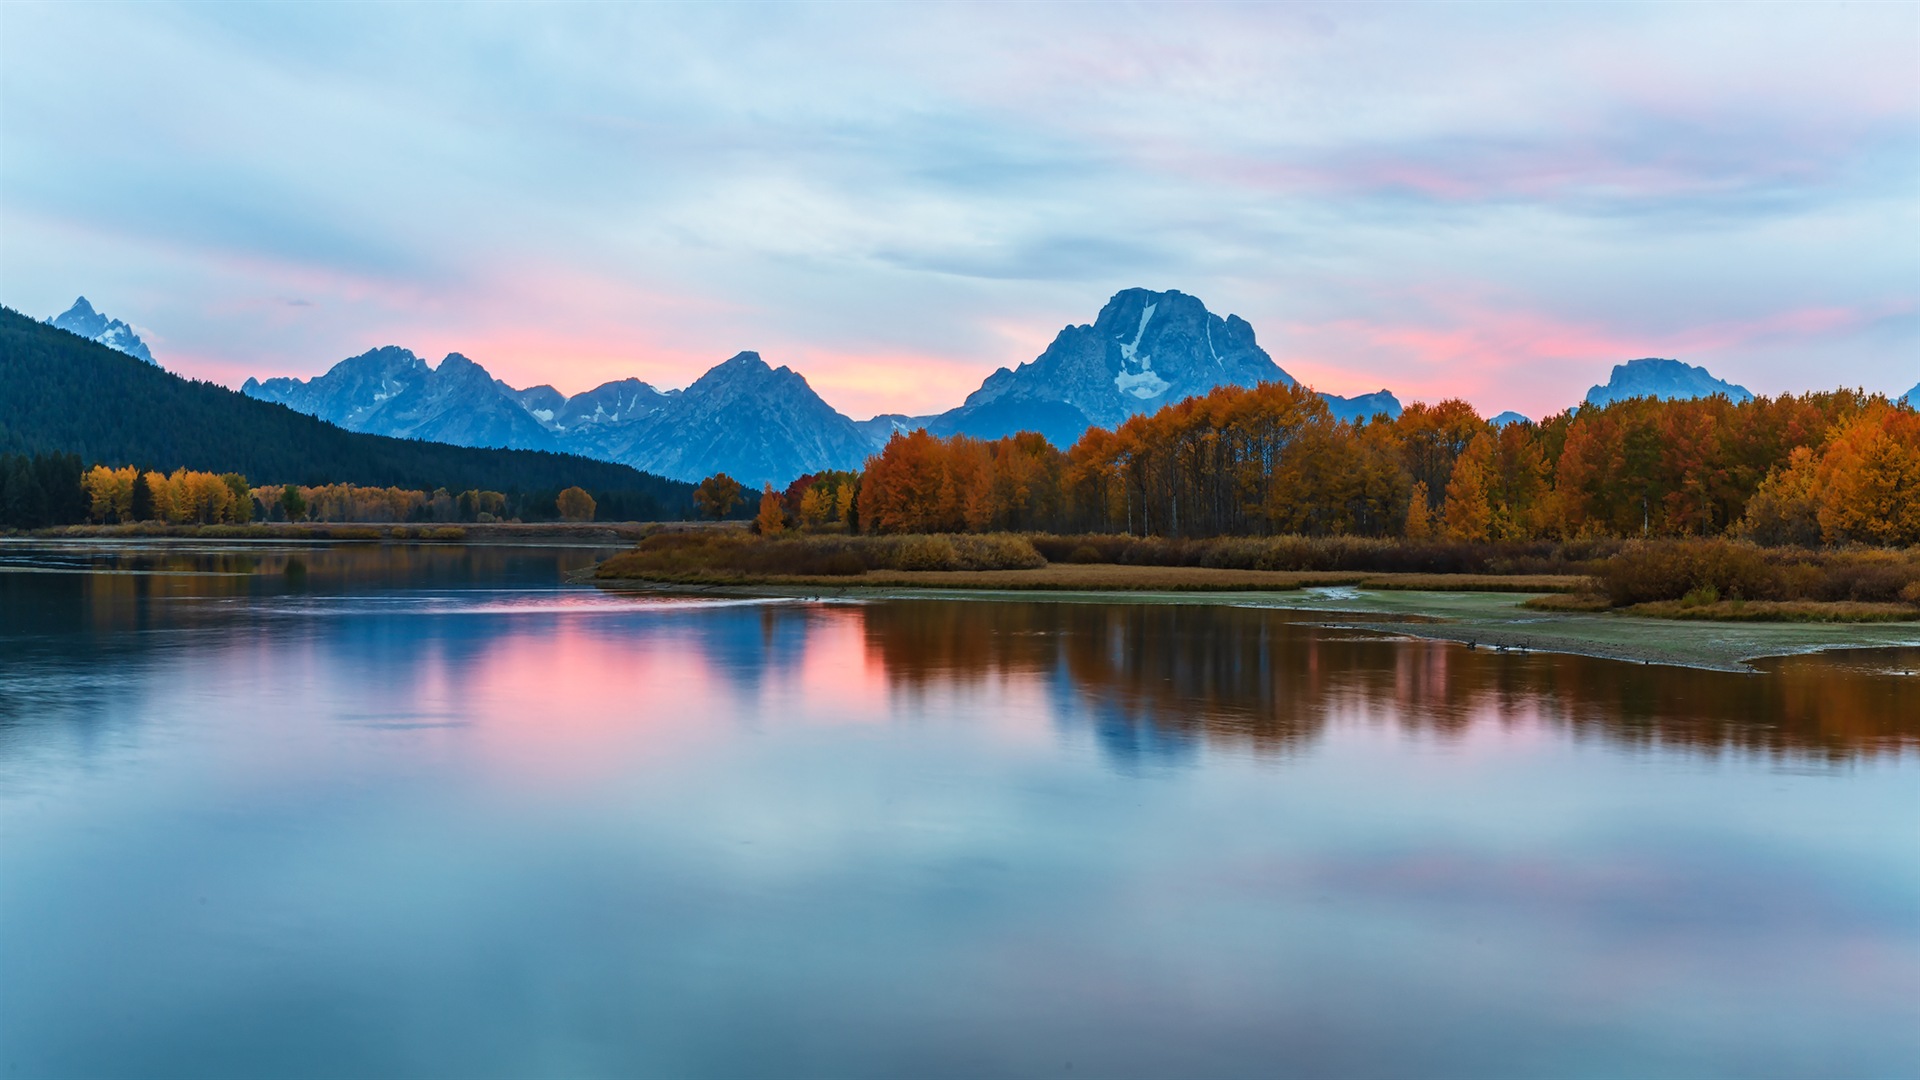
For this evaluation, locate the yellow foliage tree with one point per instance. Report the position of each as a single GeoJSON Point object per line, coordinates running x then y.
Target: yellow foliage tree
{"type": "Point", "coordinates": [575, 504]}
{"type": "Point", "coordinates": [1469, 516]}
{"type": "Point", "coordinates": [1419, 517]}
{"type": "Point", "coordinates": [110, 493]}
{"type": "Point", "coordinates": [771, 519]}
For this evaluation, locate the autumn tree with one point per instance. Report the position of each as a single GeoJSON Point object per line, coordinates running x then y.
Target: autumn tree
{"type": "Point", "coordinates": [772, 518]}
{"type": "Point", "coordinates": [110, 493]}
{"type": "Point", "coordinates": [1419, 518]}
{"type": "Point", "coordinates": [575, 504]}
{"type": "Point", "coordinates": [1468, 515]}
{"type": "Point", "coordinates": [717, 495]}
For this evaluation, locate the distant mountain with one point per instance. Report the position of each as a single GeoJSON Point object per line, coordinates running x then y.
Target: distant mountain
{"type": "Point", "coordinates": [62, 392]}
{"type": "Point", "coordinates": [1145, 350]}
{"type": "Point", "coordinates": [390, 391]}
{"type": "Point", "coordinates": [756, 423]}
{"type": "Point", "coordinates": [1509, 417]}
{"type": "Point", "coordinates": [882, 428]}
{"type": "Point", "coordinates": [83, 320]}
{"type": "Point", "coordinates": [1666, 379]}
{"type": "Point", "coordinates": [1912, 397]}
{"type": "Point", "coordinates": [1363, 406]}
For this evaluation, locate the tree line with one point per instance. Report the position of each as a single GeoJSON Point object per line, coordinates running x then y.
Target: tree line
{"type": "Point", "coordinates": [1818, 468]}
{"type": "Point", "coordinates": [44, 490]}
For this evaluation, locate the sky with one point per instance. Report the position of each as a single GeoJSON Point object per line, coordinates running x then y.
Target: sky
{"type": "Point", "coordinates": [1483, 201]}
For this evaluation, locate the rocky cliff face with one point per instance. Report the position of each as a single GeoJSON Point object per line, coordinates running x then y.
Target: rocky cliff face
{"type": "Point", "coordinates": [83, 320]}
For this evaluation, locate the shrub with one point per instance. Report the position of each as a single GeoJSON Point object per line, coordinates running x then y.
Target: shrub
{"type": "Point", "coordinates": [1671, 570]}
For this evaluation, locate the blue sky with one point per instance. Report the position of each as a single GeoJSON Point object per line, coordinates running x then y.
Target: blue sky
{"type": "Point", "coordinates": [1496, 202]}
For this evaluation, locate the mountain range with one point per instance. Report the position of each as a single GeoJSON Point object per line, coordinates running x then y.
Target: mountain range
{"type": "Point", "coordinates": [83, 320]}
{"type": "Point", "coordinates": [763, 424]}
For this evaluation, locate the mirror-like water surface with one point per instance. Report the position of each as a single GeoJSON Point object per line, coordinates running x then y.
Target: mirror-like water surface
{"type": "Point", "coordinates": [425, 811]}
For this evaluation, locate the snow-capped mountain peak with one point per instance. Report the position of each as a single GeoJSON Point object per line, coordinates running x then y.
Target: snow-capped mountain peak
{"type": "Point", "coordinates": [82, 319]}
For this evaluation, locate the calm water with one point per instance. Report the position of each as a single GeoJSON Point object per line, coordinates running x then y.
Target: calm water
{"type": "Point", "coordinates": [429, 812]}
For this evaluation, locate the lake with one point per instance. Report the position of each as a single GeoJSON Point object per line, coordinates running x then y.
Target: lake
{"type": "Point", "coordinates": [280, 811]}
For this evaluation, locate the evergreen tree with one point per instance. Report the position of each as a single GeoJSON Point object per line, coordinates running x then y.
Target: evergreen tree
{"type": "Point", "coordinates": [142, 497]}
{"type": "Point", "coordinates": [26, 506]}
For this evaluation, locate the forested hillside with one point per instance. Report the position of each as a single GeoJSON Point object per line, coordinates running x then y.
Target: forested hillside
{"type": "Point", "coordinates": [61, 392]}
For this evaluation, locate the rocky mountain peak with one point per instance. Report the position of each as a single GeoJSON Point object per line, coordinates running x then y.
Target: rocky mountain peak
{"type": "Point", "coordinates": [1144, 350]}
{"type": "Point", "coordinates": [83, 320]}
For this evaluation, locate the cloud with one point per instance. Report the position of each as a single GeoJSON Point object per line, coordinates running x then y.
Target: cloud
{"type": "Point", "coordinates": [1421, 198]}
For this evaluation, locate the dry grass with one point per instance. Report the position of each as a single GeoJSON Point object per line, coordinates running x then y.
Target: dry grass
{"type": "Point", "coordinates": [1805, 611]}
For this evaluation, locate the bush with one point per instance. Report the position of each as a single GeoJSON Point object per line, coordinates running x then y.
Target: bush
{"type": "Point", "coordinates": [1084, 554]}
{"type": "Point", "coordinates": [1676, 569]}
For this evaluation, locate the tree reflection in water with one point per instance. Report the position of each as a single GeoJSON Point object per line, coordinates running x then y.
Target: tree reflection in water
{"type": "Point", "coordinates": [1156, 677]}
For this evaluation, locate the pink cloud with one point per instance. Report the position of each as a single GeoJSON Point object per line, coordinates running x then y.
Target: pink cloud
{"type": "Point", "coordinates": [1531, 361]}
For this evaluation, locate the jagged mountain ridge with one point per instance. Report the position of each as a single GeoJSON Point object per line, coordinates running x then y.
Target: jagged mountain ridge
{"type": "Point", "coordinates": [755, 422]}
{"type": "Point", "coordinates": [90, 324]}
{"type": "Point", "coordinates": [390, 391]}
{"type": "Point", "coordinates": [1667, 379]}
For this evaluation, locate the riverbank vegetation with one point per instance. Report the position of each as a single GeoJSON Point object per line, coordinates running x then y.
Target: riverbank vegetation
{"type": "Point", "coordinates": [1667, 578]}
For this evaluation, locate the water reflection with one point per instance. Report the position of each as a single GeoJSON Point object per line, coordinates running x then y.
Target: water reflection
{"type": "Point", "coordinates": [429, 812]}
{"type": "Point", "coordinates": [1151, 681]}
{"type": "Point", "coordinates": [1259, 678]}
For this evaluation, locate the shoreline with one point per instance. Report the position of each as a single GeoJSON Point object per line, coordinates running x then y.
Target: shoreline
{"type": "Point", "coordinates": [1477, 619]}
{"type": "Point", "coordinates": [1477, 610]}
